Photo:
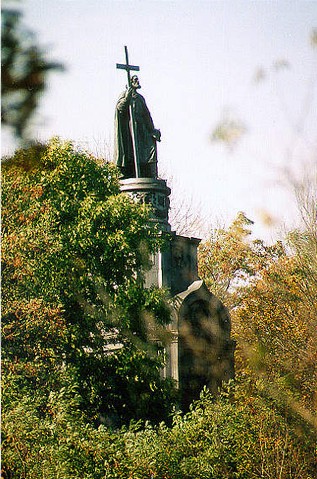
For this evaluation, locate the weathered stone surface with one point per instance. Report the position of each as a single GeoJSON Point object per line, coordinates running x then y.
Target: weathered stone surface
{"type": "Point", "coordinates": [201, 352]}
{"type": "Point", "coordinates": [205, 350]}
{"type": "Point", "coordinates": [152, 191]}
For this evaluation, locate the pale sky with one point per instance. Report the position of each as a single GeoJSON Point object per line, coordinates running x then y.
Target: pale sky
{"type": "Point", "coordinates": [197, 61]}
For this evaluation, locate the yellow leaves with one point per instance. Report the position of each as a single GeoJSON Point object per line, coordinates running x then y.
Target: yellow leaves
{"type": "Point", "coordinates": [267, 218]}
{"type": "Point", "coordinates": [276, 315]}
{"type": "Point", "coordinates": [28, 218]}
{"type": "Point", "coordinates": [228, 259]}
{"type": "Point", "coordinates": [33, 319]}
{"type": "Point", "coordinates": [16, 183]}
{"type": "Point", "coordinates": [272, 293]}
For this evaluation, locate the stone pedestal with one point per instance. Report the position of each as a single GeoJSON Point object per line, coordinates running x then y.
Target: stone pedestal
{"type": "Point", "coordinates": [152, 191]}
{"type": "Point", "coordinates": [201, 351]}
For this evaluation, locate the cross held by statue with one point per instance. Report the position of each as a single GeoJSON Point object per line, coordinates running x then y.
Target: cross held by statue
{"type": "Point", "coordinates": [136, 136]}
{"type": "Point", "coordinates": [125, 66]}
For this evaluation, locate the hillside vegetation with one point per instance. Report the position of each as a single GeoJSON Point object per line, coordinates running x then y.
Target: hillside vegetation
{"type": "Point", "coordinates": [71, 247]}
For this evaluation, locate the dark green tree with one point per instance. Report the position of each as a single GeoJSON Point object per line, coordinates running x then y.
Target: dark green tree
{"type": "Point", "coordinates": [24, 70]}
{"type": "Point", "coordinates": [71, 248]}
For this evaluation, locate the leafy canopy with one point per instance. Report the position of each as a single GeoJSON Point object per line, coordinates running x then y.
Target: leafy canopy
{"type": "Point", "coordinates": [71, 248]}
{"type": "Point", "coordinates": [271, 292]}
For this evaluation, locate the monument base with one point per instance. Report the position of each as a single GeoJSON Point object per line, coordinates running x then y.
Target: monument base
{"type": "Point", "coordinates": [201, 351]}
{"type": "Point", "coordinates": [153, 192]}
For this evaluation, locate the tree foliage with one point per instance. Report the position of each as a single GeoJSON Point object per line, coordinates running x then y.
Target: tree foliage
{"type": "Point", "coordinates": [228, 259]}
{"type": "Point", "coordinates": [272, 294]}
{"type": "Point", "coordinates": [71, 248]}
{"type": "Point", "coordinates": [24, 71]}
{"type": "Point", "coordinates": [237, 436]}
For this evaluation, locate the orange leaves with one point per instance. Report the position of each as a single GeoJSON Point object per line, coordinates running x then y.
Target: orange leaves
{"type": "Point", "coordinates": [272, 294]}
{"type": "Point", "coordinates": [228, 259]}
{"type": "Point", "coordinates": [34, 325]}
{"type": "Point", "coordinates": [275, 314]}
{"type": "Point", "coordinates": [17, 261]}
{"type": "Point", "coordinates": [36, 191]}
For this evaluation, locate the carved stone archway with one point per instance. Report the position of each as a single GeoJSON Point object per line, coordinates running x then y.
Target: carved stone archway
{"type": "Point", "coordinates": [203, 352]}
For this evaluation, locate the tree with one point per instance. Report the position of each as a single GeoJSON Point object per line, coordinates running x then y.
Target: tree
{"type": "Point", "coordinates": [228, 259]}
{"type": "Point", "coordinates": [278, 315]}
{"type": "Point", "coordinates": [237, 435]}
{"type": "Point", "coordinates": [24, 71]}
{"type": "Point", "coordinates": [276, 326]}
{"type": "Point", "coordinates": [271, 292]}
{"type": "Point", "coordinates": [71, 248]}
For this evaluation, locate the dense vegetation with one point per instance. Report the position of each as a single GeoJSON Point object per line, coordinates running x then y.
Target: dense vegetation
{"type": "Point", "coordinates": [272, 294]}
{"type": "Point", "coordinates": [71, 247]}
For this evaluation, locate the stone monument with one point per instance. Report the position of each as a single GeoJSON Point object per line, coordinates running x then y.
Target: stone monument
{"type": "Point", "coordinates": [201, 352]}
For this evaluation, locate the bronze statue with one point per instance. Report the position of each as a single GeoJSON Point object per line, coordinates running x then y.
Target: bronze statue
{"type": "Point", "coordinates": [136, 137]}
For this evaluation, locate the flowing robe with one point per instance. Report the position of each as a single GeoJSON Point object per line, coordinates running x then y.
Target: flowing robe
{"type": "Point", "coordinates": [144, 130]}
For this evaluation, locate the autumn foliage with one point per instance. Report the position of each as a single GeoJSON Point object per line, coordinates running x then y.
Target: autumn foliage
{"type": "Point", "coordinates": [71, 248]}
{"type": "Point", "coordinates": [272, 294]}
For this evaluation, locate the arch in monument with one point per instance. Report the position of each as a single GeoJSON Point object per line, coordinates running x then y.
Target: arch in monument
{"type": "Point", "coordinates": [205, 349]}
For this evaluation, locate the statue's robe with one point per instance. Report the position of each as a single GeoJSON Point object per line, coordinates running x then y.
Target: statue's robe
{"type": "Point", "coordinates": [144, 139]}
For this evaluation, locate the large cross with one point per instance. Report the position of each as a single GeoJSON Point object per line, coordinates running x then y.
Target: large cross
{"type": "Point", "coordinates": [126, 66]}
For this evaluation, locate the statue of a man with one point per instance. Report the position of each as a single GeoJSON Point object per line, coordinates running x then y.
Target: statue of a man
{"type": "Point", "coordinates": [136, 136]}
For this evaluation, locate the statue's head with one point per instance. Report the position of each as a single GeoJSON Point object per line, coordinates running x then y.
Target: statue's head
{"type": "Point", "coordinates": [135, 82]}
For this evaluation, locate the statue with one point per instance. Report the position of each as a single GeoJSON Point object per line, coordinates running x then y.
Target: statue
{"type": "Point", "coordinates": [136, 137]}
